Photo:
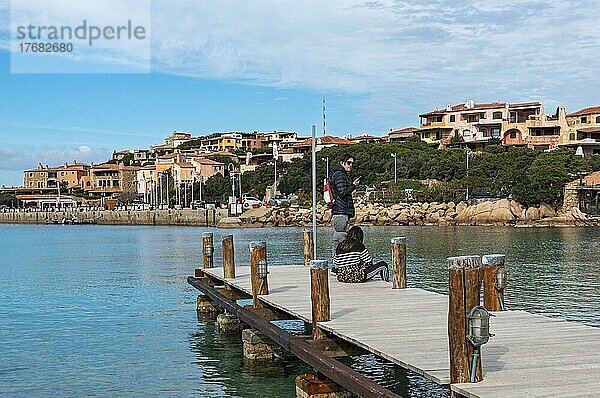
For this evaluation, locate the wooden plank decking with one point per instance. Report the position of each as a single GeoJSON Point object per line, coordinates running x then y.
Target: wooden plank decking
{"type": "Point", "coordinates": [530, 355]}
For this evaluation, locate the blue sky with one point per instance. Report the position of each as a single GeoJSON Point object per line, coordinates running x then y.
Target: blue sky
{"type": "Point", "coordinates": [265, 65]}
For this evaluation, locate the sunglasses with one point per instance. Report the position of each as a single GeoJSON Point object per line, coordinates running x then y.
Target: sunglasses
{"type": "Point", "coordinates": [350, 162]}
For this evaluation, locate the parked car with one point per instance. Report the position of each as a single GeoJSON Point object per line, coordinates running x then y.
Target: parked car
{"type": "Point", "coordinates": [198, 204]}
{"type": "Point", "coordinates": [3, 208]}
{"type": "Point", "coordinates": [250, 202]}
{"type": "Point", "coordinates": [278, 200]}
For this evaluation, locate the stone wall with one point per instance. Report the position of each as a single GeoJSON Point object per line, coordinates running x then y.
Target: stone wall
{"type": "Point", "coordinates": [200, 217]}
{"type": "Point", "coordinates": [501, 212]}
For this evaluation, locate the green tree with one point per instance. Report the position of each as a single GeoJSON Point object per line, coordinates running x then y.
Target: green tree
{"type": "Point", "coordinates": [216, 189]}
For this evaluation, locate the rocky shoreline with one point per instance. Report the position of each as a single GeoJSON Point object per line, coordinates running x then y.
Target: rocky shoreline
{"type": "Point", "coordinates": [502, 212]}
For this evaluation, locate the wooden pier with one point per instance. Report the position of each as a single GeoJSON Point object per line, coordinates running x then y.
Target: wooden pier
{"type": "Point", "coordinates": [529, 356]}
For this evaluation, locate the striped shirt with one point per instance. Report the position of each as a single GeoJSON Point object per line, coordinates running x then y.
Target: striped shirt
{"type": "Point", "coordinates": [358, 254]}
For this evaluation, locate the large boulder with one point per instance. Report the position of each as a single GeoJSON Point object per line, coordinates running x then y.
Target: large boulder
{"type": "Point", "coordinates": [532, 214]}
{"type": "Point", "coordinates": [502, 215]}
{"type": "Point", "coordinates": [517, 209]}
{"type": "Point", "coordinates": [546, 211]}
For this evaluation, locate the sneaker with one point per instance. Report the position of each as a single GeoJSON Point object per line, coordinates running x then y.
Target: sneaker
{"type": "Point", "coordinates": [384, 275]}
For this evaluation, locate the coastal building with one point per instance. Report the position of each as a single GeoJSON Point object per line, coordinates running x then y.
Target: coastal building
{"type": "Point", "coordinates": [327, 141]}
{"type": "Point", "coordinates": [177, 138]}
{"type": "Point", "coordinates": [366, 139]}
{"type": "Point", "coordinates": [145, 178]}
{"type": "Point", "coordinates": [132, 156]}
{"type": "Point", "coordinates": [69, 176]}
{"type": "Point", "coordinates": [109, 179]}
{"type": "Point", "coordinates": [584, 134]}
{"type": "Point", "coordinates": [402, 134]}
{"type": "Point", "coordinates": [206, 168]}
{"type": "Point", "coordinates": [514, 124]}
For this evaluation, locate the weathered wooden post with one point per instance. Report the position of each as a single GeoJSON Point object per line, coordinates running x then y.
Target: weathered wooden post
{"type": "Point", "coordinates": [494, 281]}
{"type": "Point", "coordinates": [399, 263]}
{"type": "Point", "coordinates": [464, 287]}
{"type": "Point", "coordinates": [207, 249]}
{"type": "Point", "coordinates": [308, 247]}
{"type": "Point", "coordinates": [319, 296]}
{"type": "Point", "coordinates": [258, 271]}
{"type": "Point", "coordinates": [228, 257]}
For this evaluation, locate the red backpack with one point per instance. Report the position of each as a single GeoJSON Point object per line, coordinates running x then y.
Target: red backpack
{"type": "Point", "coordinates": [328, 193]}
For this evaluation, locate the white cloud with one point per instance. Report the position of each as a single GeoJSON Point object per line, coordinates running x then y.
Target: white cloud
{"type": "Point", "coordinates": [14, 159]}
{"type": "Point", "coordinates": [400, 57]}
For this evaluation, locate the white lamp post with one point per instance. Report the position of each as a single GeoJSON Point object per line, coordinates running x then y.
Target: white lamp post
{"type": "Point", "coordinates": [395, 168]}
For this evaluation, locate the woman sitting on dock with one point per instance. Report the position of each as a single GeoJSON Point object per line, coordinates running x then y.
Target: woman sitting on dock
{"type": "Point", "coordinates": [352, 261]}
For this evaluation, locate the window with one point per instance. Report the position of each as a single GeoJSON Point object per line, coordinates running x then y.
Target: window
{"type": "Point", "coordinates": [426, 135]}
{"type": "Point", "coordinates": [513, 117]}
{"type": "Point", "coordinates": [496, 132]}
{"type": "Point", "coordinates": [30, 174]}
{"type": "Point", "coordinates": [486, 132]}
{"type": "Point", "coordinates": [572, 137]}
{"type": "Point", "coordinates": [466, 133]}
{"type": "Point", "coordinates": [30, 183]}
{"type": "Point", "coordinates": [497, 115]}
{"type": "Point", "coordinates": [473, 118]}
{"type": "Point", "coordinates": [452, 118]}
{"type": "Point", "coordinates": [40, 184]}
{"type": "Point", "coordinates": [513, 134]}
{"type": "Point", "coordinates": [583, 119]}
{"type": "Point", "coordinates": [597, 119]}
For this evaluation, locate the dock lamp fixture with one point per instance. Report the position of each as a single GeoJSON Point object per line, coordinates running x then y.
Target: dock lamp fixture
{"type": "Point", "coordinates": [500, 281]}
{"type": "Point", "coordinates": [209, 250]}
{"type": "Point", "coordinates": [262, 272]}
{"type": "Point", "coordinates": [479, 333]}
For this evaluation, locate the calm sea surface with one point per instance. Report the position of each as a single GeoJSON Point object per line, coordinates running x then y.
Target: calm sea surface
{"type": "Point", "coordinates": [106, 310]}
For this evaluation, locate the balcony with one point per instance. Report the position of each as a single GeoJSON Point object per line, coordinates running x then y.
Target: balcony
{"type": "Point", "coordinates": [543, 139]}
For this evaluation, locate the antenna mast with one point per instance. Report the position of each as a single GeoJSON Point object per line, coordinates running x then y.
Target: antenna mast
{"type": "Point", "coordinates": [324, 119]}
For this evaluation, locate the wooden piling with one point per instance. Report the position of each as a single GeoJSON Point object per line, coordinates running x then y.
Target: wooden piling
{"type": "Point", "coordinates": [207, 249]}
{"type": "Point", "coordinates": [258, 253]}
{"type": "Point", "coordinates": [319, 296]}
{"type": "Point", "coordinates": [464, 287]}
{"type": "Point", "coordinates": [491, 295]}
{"type": "Point", "coordinates": [398, 262]}
{"type": "Point", "coordinates": [228, 257]}
{"type": "Point", "coordinates": [308, 247]}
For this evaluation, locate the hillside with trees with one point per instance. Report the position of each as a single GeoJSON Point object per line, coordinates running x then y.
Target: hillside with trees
{"type": "Point", "coordinates": [528, 176]}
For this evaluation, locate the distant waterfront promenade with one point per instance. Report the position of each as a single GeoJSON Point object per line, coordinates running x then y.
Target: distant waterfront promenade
{"type": "Point", "coordinates": [200, 217]}
{"type": "Point", "coordinates": [502, 212]}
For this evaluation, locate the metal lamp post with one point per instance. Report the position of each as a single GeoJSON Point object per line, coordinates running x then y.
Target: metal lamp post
{"type": "Point", "coordinates": [326, 160]}
{"type": "Point", "coordinates": [395, 167]}
{"type": "Point", "coordinates": [468, 152]}
{"type": "Point", "coordinates": [160, 197]}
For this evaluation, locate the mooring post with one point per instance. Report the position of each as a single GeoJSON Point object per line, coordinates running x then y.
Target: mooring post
{"type": "Point", "coordinates": [228, 257]}
{"type": "Point", "coordinates": [207, 249]}
{"type": "Point", "coordinates": [464, 286]}
{"type": "Point", "coordinates": [258, 271]}
{"type": "Point", "coordinates": [319, 296]}
{"type": "Point", "coordinates": [494, 281]}
{"type": "Point", "coordinates": [308, 247]}
{"type": "Point", "coordinates": [399, 262]}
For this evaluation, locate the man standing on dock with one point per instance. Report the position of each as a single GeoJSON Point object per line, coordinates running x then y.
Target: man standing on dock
{"type": "Point", "coordinates": [343, 206]}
